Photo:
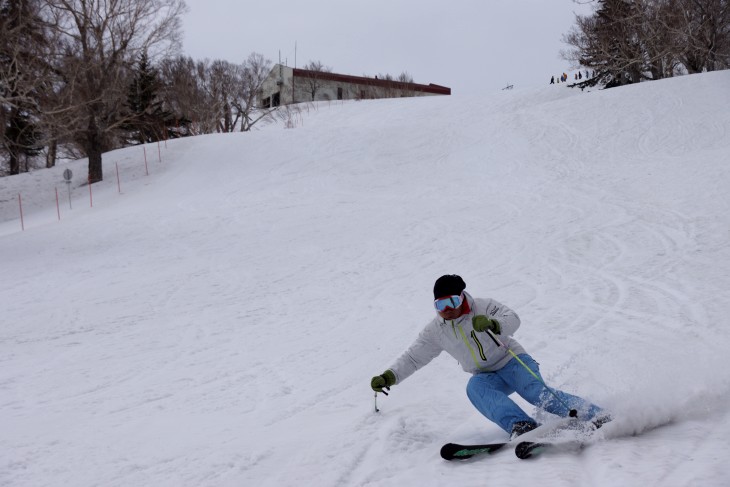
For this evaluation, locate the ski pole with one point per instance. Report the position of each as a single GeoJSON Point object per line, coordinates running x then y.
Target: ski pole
{"type": "Point", "coordinates": [573, 412]}
{"type": "Point", "coordinates": [376, 403]}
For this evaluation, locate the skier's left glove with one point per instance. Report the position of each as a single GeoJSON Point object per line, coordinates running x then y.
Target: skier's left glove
{"type": "Point", "coordinates": [383, 381]}
{"type": "Point", "coordinates": [483, 323]}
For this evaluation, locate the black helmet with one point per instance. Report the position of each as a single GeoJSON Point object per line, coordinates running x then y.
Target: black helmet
{"type": "Point", "coordinates": [448, 285]}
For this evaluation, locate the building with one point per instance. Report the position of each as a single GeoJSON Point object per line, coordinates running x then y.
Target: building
{"type": "Point", "coordinates": [286, 85]}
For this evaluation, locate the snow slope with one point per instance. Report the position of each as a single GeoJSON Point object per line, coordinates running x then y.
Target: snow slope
{"type": "Point", "coordinates": [218, 322]}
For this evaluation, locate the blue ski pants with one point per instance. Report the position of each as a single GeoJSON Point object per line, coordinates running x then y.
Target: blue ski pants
{"type": "Point", "coordinates": [489, 393]}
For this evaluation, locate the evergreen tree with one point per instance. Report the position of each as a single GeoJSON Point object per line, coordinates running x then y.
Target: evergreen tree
{"type": "Point", "coordinates": [22, 139]}
{"type": "Point", "coordinates": [610, 44]}
{"type": "Point", "coordinates": [21, 42]}
{"type": "Point", "coordinates": [148, 121]}
{"type": "Point", "coordinates": [616, 20]}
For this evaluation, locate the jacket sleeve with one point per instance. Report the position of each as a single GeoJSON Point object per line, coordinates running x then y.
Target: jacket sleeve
{"type": "Point", "coordinates": [507, 318]}
{"type": "Point", "coordinates": [424, 349]}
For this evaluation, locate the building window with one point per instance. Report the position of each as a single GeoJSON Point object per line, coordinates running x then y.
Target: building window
{"type": "Point", "coordinates": [266, 102]}
{"type": "Point", "coordinates": [276, 99]}
{"type": "Point", "coordinates": [339, 93]}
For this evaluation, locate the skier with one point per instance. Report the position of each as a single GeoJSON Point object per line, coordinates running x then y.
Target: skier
{"type": "Point", "coordinates": [478, 333]}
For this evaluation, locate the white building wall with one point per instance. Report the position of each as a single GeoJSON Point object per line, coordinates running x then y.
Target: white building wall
{"type": "Point", "coordinates": [281, 81]}
{"type": "Point", "coordinates": [330, 90]}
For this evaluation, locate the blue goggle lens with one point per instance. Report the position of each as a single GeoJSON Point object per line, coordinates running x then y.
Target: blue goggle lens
{"type": "Point", "coordinates": [446, 302]}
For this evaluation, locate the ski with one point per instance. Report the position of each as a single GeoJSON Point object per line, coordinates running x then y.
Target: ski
{"type": "Point", "coordinates": [454, 451]}
{"type": "Point", "coordinates": [530, 449]}
{"type": "Point", "coordinates": [527, 449]}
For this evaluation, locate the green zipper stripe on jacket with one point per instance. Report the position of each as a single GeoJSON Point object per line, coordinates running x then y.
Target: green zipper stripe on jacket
{"type": "Point", "coordinates": [479, 345]}
{"type": "Point", "coordinates": [466, 341]}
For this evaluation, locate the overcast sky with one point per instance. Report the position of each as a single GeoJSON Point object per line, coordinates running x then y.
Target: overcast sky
{"type": "Point", "coordinates": [467, 45]}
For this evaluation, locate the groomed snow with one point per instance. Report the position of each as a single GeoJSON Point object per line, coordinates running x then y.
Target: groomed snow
{"type": "Point", "coordinates": [218, 322]}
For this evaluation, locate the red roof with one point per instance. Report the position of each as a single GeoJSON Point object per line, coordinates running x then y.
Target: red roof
{"type": "Point", "coordinates": [362, 80]}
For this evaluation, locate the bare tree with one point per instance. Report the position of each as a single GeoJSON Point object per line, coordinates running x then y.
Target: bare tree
{"type": "Point", "coordinates": [193, 92]}
{"type": "Point", "coordinates": [405, 77]}
{"type": "Point", "coordinates": [394, 86]}
{"type": "Point", "coordinates": [406, 81]}
{"type": "Point", "coordinates": [255, 70]}
{"type": "Point", "coordinates": [313, 80]}
{"type": "Point", "coordinates": [386, 88]}
{"type": "Point", "coordinates": [225, 89]}
{"type": "Point", "coordinates": [634, 40]}
{"type": "Point", "coordinates": [99, 40]}
{"type": "Point", "coordinates": [609, 42]}
{"type": "Point", "coordinates": [702, 29]}
{"type": "Point", "coordinates": [659, 44]}
{"type": "Point", "coordinates": [209, 109]}
{"type": "Point", "coordinates": [182, 93]}
{"type": "Point", "coordinates": [215, 96]}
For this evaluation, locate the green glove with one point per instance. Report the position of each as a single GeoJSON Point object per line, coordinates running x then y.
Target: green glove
{"type": "Point", "coordinates": [484, 323]}
{"type": "Point", "coordinates": [384, 381]}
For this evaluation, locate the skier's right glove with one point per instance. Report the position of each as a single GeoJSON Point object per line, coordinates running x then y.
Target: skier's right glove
{"type": "Point", "coordinates": [383, 381]}
{"type": "Point", "coordinates": [483, 323]}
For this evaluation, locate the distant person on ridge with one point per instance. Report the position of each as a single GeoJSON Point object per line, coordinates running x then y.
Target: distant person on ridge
{"type": "Point", "coordinates": [467, 328]}
{"type": "Point", "coordinates": [552, 80]}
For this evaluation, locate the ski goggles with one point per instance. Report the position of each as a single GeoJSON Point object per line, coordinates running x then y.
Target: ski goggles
{"type": "Point", "coordinates": [454, 301]}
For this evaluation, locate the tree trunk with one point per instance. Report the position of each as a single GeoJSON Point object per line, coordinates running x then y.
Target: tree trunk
{"type": "Point", "coordinates": [94, 147]}
{"type": "Point", "coordinates": [52, 154]}
{"type": "Point", "coordinates": [14, 162]}
{"type": "Point", "coordinates": [95, 172]}
{"type": "Point", "coordinates": [12, 135]}
{"type": "Point", "coordinates": [228, 117]}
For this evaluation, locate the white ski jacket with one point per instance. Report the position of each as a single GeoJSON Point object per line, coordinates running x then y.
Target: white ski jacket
{"type": "Point", "coordinates": [475, 351]}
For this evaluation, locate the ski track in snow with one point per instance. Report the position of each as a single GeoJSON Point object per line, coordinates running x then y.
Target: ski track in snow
{"type": "Point", "coordinates": [217, 323]}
